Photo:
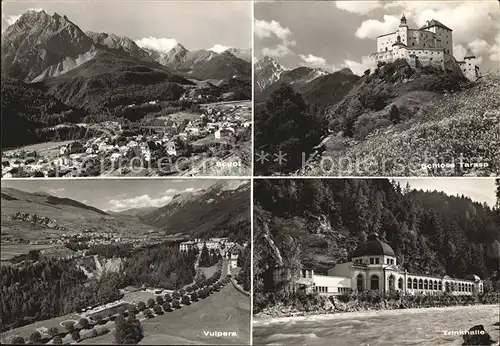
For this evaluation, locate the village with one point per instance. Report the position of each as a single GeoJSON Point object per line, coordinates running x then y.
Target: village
{"type": "Point", "coordinates": [122, 150]}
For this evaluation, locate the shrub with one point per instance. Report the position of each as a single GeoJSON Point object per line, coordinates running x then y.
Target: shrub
{"type": "Point", "coordinates": [176, 295]}
{"type": "Point", "coordinates": [194, 297]}
{"type": "Point", "coordinates": [158, 310]}
{"type": "Point", "coordinates": [75, 335]}
{"type": "Point", "coordinates": [84, 323]}
{"type": "Point", "coordinates": [176, 304]}
{"type": "Point", "coordinates": [17, 340]}
{"type": "Point", "coordinates": [129, 331]}
{"type": "Point", "coordinates": [35, 337]}
{"type": "Point", "coordinates": [168, 297]}
{"type": "Point", "coordinates": [182, 292]}
{"type": "Point", "coordinates": [57, 340]}
{"type": "Point", "coordinates": [185, 300]}
{"type": "Point", "coordinates": [148, 313]}
{"type": "Point", "coordinates": [151, 302]}
{"type": "Point", "coordinates": [160, 300]}
{"type": "Point", "coordinates": [141, 306]}
{"type": "Point", "coordinates": [167, 307]}
{"type": "Point", "coordinates": [133, 310]}
{"type": "Point", "coordinates": [53, 331]}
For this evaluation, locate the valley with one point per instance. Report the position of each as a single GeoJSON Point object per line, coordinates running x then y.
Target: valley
{"type": "Point", "coordinates": [85, 269]}
{"type": "Point", "coordinates": [119, 107]}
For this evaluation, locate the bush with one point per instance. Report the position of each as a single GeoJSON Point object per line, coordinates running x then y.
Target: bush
{"type": "Point", "coordinates": [176, 295]}
{"type": "Point", "coordinates": [158, 310]}
{"type": "Point", "coordinates": [176, 304]}
{"type": "Point", "coordinates": [194, 297]}
{"type": "Point", "coordinates": [17, 340]}
{"type": "Point", "coordinates": [185, 300]}
{"type": "Point", "coordinates": [133, 310]}
{"type": "Point", "coordinates": [84, 323]}
{"type": "Point", "coordinates": [129, 331]}
{"type": "Point", "coordinates": [75, 335]}
{"type": "Point", "coordinates": [182, 292]}
{"type": "Point", "coordinates": [57, 340]}
{"type": "Point", "coordinates": [167, 307]}
{"type": "Point", "coordinates": [141, 306]}
{"type": "Point", "coordinates": [53, 331]}
{"type": "Point", "coordinates": [148, 313]}
{"type": "Point", "coordinates": [168, 297]}
{"type": "Point", "coordinates": [35, 337]}
{"type": "Point", "coordinates": [159, 300]}
{"type": "Point", "coordinates": [151, 302]}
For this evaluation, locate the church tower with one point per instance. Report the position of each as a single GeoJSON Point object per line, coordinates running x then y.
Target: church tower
{"type": "Point", "coordinates": [403, 31]}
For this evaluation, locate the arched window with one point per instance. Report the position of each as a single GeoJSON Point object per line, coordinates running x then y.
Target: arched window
{"type": "Point", "coordinates": [420, 284]}
{"type": "Point", "coordinates": [440, 285]}
{"type": "Point", "coordinates": [426, 284]}
{"type": "Point", "coordinates": [435, 285]}
{"type": "Point", "coordinates": [409, 283]}
{"type": "Point", "coordinates": [415, 285]}
{"type": "Point", "coordinates": [392, 281]}
{"type": "Point", "coordinates": [374, 282]}
{"type": "Point", "coordinates": [360, 283]}
{"type": "Point", "coordinates": [400, 283]}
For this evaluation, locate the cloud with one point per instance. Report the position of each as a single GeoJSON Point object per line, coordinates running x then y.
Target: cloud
{"type": "Point", "coordinates": [459, 52]}
{"type": "Point", "coordinates": [314, 61]}
{"type": "Point", "coordinates": [277, 52]}
{"type": "Point", "coordinates": [264, 29]}
{"type": "Point", "coordinates": [495, 49]}
{"type": "Point", "coordinates": [372, 28]}
{"type": "Point", "coordinates": [359, 68]}
{"type": "Point", "coordinates": [145, 201]}
{"type": "Point", "coordinates": [358, 7]}
{"type": "Point", "coordinates": [11, 19]}
{"type": "Point", "coordinates": [219, 48]}
{"type": "Point", "coordinates": [162, 45]}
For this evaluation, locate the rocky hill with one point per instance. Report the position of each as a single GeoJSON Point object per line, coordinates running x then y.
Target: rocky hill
{"type": "Point", "coordinates": [267, 71]}
{"type": "Point", "coordinates": [423, 115]}
{"type": "Point", "coordinates": [220, 210]}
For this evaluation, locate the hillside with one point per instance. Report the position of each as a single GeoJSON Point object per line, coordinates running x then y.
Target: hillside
{"type": "Point", "coordinates": [220, 210]}
{"type": "Point", "coordinates": [36, 215]}
{"type": "Point", "coordinates": [421, 122]}
{"type": "Point", "coordinates": [324, 219]}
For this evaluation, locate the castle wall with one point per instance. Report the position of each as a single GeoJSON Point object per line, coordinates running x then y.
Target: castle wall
{"type": "Point", "coordinates": [384, 43]}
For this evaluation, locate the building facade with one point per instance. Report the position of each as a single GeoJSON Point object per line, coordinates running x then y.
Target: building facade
{"type": "Point", "coordinates": [431, 45]}
{"type": "Point", "coordinates": [374, 267]}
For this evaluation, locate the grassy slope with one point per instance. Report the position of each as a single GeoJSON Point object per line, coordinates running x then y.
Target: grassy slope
{"type": "Point", "coordinates": [446, 127]}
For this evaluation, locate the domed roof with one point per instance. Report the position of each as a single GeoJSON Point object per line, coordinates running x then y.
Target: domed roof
{"type": "Point", "coordinates": [373, 247]}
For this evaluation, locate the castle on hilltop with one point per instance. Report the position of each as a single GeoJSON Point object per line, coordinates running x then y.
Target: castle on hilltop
{"type": "Point", "coordinates": [431, 45]}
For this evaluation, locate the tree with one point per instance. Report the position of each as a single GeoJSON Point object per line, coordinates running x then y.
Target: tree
{"type": "Point", "coordinates": [185, 300]}
{"type": "Point", "coordinates": [57, 340]}
{"type": "Point", "coordinates": [168, 297]}
{"type": "Point", "coordinates": [53, 331]}
{"type": "Point", "coordinates": [204, 257]}
{"type": "Point", "coordinates": [394, 115]}
{"type": "Point", "coordinates": [151, 302]}
{"type": "Point", "coordinates": [158, 310]}
{"type": "Point", "coordinates": [141, 306]}
{"type": "Point", "coordinates": [148, 313]}
{"type": "Point", "coordinates": [159, 300]}
{"type": "Point", "coordinates": [167, 307]}
{"type": "Point", "coordinates": [98, 319]}
{"type": "Point", "coordinates": [35, 337]}
{"type": "Point", "coordinates": [129, 331]}
{"type": "Point", "coordinates": [18, 340]}
{"type": "Point", "coordinates": [84, 323]}
{"type": "Point", "coordinates": [176, 304]}
{"type": "Point", "coordinates": [75, 335]}
{"type": "Point", "coordinates": [194, 297]}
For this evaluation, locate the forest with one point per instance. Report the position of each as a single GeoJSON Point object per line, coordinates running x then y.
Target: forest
{"type": "Point", "coordinates": [45, 288]}
{"type": "Point", "coordinates": [318, 223]}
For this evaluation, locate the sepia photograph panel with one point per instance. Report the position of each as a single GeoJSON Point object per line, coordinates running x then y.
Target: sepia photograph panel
{"type": "Point", "coordinates": [377, 88]}
{"type": "Point", "coordinates": [126, 89]}
{"type": "Point", "coordinates": [376, 261]}
{"type": "Point", "coordinates": [117, 261]}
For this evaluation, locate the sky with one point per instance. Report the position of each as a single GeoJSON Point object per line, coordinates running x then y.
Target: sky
{"type": "Point", "coordinates": [158, 25]}
{"type": "Point", "coordinates": [478, 189]}
{"type": "Point", "coordinates": [116, 195]}
{"type": "Point", "coordinates": [338, 34]}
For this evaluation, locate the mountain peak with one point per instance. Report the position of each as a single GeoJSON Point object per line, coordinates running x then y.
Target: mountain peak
{"type": "Point", "coordinates": [178, 48]}
{"type": "Point", "coordinates": [346, 71]}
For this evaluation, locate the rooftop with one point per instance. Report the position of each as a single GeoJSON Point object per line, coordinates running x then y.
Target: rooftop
{"type": "Point", "coordinates": [373, 246]}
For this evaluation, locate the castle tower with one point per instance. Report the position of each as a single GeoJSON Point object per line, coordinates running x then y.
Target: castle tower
{"type": "Point", "coordinates": [403, 31]}
{"type": "Point", "coordinates": [469, 68]}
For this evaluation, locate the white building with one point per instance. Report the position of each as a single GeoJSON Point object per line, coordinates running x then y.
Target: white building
{"type": "Point", "coordinates": [374, 267]}
{"type": "Point", "coordinates": [431, 45]}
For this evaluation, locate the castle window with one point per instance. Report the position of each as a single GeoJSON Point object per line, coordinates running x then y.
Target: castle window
{"type": "Point", "coordinates": [420, 284]}
{"type": "Point", "coordinates": [400, 283]}
{"type": "Point", "coordinates": [372, 260]}
{"type": "Point", "coordinates": [408, 285]}
{"type": "Point", "coordinates": [374, 282]}
{"type": "Point", "coordinates": [440, 285]}
{"type": "Point", "coordinates": [377, 260]}
{"type": "Point", "coordinates": [425, 285]}
{"type": "Point", "coordinates": [413, 44]}
{"type": "Point", "coordinates": [414, 284]}
{"type": "Point", "coordinates": [435, 285]}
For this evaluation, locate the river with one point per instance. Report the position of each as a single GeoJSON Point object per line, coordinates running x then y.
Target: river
{"type": "Point", "coordinates": [423, 327]}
